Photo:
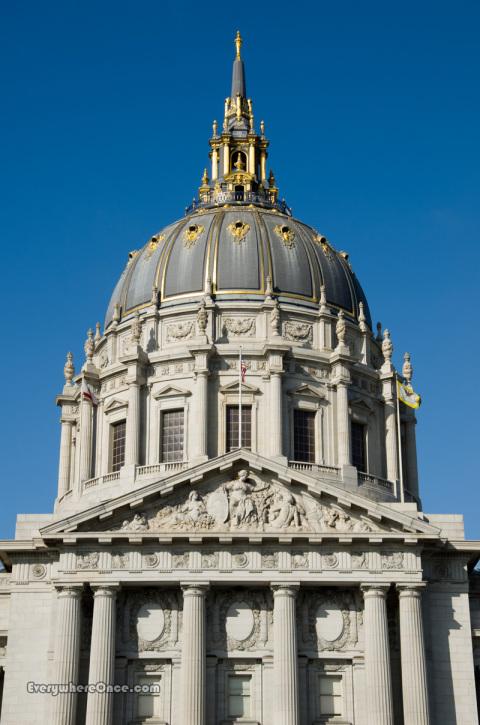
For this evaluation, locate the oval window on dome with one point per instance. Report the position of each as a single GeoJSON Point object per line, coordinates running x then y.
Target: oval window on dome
{"type": "Point", "coordinates": [239, 621]}
{"type": "Point", "coordinates": [150, 621]}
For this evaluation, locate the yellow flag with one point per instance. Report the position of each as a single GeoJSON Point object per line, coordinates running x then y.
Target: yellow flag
{"type": "Point", "coordinates": [407, 395]}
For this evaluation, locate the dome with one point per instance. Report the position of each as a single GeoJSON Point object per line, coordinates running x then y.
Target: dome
{"type": "Point", "coordinates": [238, 252]}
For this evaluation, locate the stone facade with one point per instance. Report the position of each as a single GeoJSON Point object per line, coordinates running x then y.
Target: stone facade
{"type": "Point", "coordinates": [238, 584]}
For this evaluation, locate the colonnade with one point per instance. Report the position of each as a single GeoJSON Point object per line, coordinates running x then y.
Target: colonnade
{"type": "Point", "coordinates": [378, 683]}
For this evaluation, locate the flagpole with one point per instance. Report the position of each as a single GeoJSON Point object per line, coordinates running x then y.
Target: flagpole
{"type": "Point", "coordinates": [399, 434]}
{"type": "Point", "coordinates": [240, 399]}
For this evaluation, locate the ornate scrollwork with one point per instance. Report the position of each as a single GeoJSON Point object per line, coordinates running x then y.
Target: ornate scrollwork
{"type": "Point", "coordinates": [286, 234]}
{"type": "Point", "coordinates": [191, 234]}
{"type": "Point", "coordinates": [330, 619]}
{"type": "Point", "coordinates": [238, 230]}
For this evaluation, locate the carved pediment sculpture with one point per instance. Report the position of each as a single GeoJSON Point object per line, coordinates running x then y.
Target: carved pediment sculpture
{"type": "Point", "coordinates": [244, 504]}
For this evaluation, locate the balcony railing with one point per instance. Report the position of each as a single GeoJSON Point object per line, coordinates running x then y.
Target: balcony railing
{"type": "Point", "coordinates": [143, 471]}
{"type": "Point", "coordinates": [370, 479]}
{"type": "Point", "coordinates": [314, 468]}
{"type": "Point", "coordinates": [107, 478]}
{"type": "Point", "coordinates": [237, 197]}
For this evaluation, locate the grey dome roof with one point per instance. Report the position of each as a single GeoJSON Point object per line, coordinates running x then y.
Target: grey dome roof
{"type": "Point", "coordinates": [237, 249]}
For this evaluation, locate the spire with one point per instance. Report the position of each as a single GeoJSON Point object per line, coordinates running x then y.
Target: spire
{"type": "Point", "coordinates": [238, 74]}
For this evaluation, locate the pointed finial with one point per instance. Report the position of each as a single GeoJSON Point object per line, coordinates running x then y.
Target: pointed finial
{"type": "Point", "coordinates": [154, 298]}
{"type": "Point", "coordinates": [205, 178]}
{"type": "Point", "coordinates": [238, 44]}
{"type": "Point", "coordinates": [362, 320]}
{"type": "Point", "coordinates": [407, 369]}
{"type": "Point", "coordinates": [262, 128]}
{"type": "Point", "coordinates": [89, 346]}
{"type": "Point", "coordinates": [215, 129]}
{"type": "Point", "coordinates": [271, 179]}
{"type": "Point", "coordinates": [98, 334]}
{"type": "Point", "coordinates": [69, 370]}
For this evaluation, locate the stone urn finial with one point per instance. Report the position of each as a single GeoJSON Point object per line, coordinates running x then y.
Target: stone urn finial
{"type": "Point", "coordinates": [387, 347]}
{"type": "Point", "coordinates": [89, 346]}
{"type": "Point", "coordinates": [136, 329]}
{"type": "Point", "coordinates": [69, 369]}
{"type": "Point", "coordinates": [98, 334]}
{"type": "Point", "coordinates": [362, 320]}
{"type": "Point", "coordinates": [341, 328]}
{"type": "Point", "coordinates": [202, 318]}
{"type": "Point", "coordinates": [407, 369]}
{"type": "Point", "coordinates": [275, 319]}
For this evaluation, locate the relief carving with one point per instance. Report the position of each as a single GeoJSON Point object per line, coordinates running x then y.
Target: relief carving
{"type": "Point", "coordinates": [328, 620]}
{"type": "Point", "coordinates": [245, 504]}
{"type": "Point", "coordinates": [297, 331]}
{"type": "Point", "coordinates": [149, 617]}
{"type": "Point", "coordinates": [88, 561]}
{"type": "Point", "coordinates": [393, 561]}
{"type": "Point", "coordinates": [237, 326]}
{"type": "Point", "coordinates": [180, 331]}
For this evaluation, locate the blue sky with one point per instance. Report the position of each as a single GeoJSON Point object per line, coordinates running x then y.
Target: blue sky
{"type": "Point", "coordinates": [372, 110]}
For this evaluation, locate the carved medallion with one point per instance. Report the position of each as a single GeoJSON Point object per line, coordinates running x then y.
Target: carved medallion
{"type": "Point", "coordinates": [150, 622]}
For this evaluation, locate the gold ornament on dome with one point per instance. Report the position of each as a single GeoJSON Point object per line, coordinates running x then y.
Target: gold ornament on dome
{"type": "Point", "coordinates": [153, 244]}
{"type": "Point", "coordinates": [322, 242]}
{"type": "Point", "coordinates": [286, 234]}
{"type": "Point", "coordinates": [191, 234]}
{"type": "Point", "coordinates": [238, 230]}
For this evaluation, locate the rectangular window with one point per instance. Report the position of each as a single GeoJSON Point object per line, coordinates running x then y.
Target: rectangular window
{"type": "Point", "coordinates": [118, 434]}
{"type": "Point", "coordinates": [172, 435]}
{"type": "Point", "coordinates": [304, 436]}
{"type": "Point", "coordinates": [148, 699]}
{"type": "Point", "coordinates": [330, 695]}
{"type": "Point", "coordinates": [232, 427]}
{"type": "Point", "coordinates": [359, 458]}
{"type": "Point", "coordinates": [239, 696]}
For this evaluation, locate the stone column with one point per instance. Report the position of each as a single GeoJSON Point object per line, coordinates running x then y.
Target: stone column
{"type": "Point", "coordinates": [65, 457]}
{"type": "Point", "coordinates": [377, 656]}
{"type": "Point", "coordinates": [200, 419]}
{"type": "Point", "coordinates": [133, 424]}
{"type": "Point", "coordinates": [102, 655]}
{"type": "Point", "coordinates": [414, 668]}
{"type": "Point", "coordinates": [275, 420]}
{"type": "Point", "coordinates": [194, 654]}
{"type": "Point", "coordinates": [67, 652]}
{"type": "Point", "coordinates": [86, 433]}
{"type": "Point", "coordinates": [285, 665]}
{"type": "Point", "coordinates": [411, 473]}
{"type": "Point", "coordinates": [391, 441]}
{"type": "Point", "coordinates": [343, 425]}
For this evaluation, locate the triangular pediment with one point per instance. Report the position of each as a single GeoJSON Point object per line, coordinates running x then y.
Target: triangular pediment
{"type": "Point", "coordinates": [242, 493]}
{"type": "Point", "coordinates": [308, 391]}
{"type": "Point", "coordinates": [115, 404]}
{"type": "Point", "coordinates": [235, 386]}
{"type": "Point", "coordinates": [171, 391]}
